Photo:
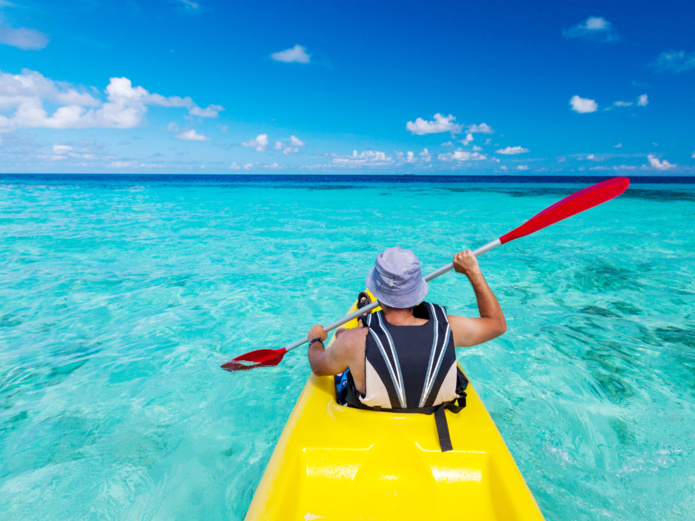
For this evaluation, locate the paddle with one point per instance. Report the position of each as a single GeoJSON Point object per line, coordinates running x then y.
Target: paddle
{"type": "Point", "coordinates": [567, 207]}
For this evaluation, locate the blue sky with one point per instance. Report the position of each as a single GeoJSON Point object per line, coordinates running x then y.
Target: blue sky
{"type": "Point", "coordinates": [198, 86]}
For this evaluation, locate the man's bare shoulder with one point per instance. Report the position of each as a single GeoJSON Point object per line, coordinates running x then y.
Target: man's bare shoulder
{"type": "Point", "coordinates": [350, 339]}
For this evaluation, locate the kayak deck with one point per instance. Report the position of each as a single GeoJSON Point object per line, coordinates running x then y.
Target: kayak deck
{"type": "Point", "coordinates": [335, 462]}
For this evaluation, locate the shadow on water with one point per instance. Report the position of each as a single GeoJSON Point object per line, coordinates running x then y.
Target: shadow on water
{"type": "Point", "coordinates": [659, 195]}
{"type": "Point", "coordinates": [32, 376]}
{"type": "Point", "coordinates": [677, 335]}
{"type": "Point", "coordinates": [606, 278]}
{"type": "Point", "coordinates": [613, 387]}
{"type": "Point", "coordinates": [60, 439]}
{"type": "Point", "coordinates": [622, 431]}
{"type": "Point", "coordinates": [668, 195]}
{"type": "Point", "coordinates": [15, 422]}
{"type": "Point", "coordinates": [336, 186]}
{"type": "Point", "coordinates": [10, 320]}
{"type": "Point", "coordinates": [596, 310]}
{"type": "Point", "coordinates": [650, 357]}
{"type": "Point", "coordinates": [520, 192]}
{"type": "Point", "coordinates": [626, 308]}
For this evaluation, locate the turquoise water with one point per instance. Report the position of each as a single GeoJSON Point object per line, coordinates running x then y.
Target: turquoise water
{"type": "Point", "coordinates": [119, 299]}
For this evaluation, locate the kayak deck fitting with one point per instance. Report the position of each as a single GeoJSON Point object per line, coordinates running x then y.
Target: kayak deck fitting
{"type": "Point", "coordinates": [336, 462]}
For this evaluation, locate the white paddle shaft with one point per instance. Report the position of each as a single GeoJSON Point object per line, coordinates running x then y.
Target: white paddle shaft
{"type": "Point", "coordinates": [436, 273]}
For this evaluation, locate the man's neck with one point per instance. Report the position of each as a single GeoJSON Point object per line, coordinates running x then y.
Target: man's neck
{"type": "Point", "coordinates": [399, 317]}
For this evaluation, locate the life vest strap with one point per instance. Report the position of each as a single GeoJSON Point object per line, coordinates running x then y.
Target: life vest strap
{"type": "Point", "coordinates": [455, 406]}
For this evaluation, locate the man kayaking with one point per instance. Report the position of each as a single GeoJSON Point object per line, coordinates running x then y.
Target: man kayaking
{"type": "Point", "coordinates": [404, 356]}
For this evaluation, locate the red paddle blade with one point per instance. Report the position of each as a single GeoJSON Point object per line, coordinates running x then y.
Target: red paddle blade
{"type": "Point", "coordinates": [569, 206]}
{"type": "Point", "coordinates": [259, 358]}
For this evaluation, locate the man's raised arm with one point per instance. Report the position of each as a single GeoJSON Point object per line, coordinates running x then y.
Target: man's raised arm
{"type": "Point", "coordinates": [491, 324]}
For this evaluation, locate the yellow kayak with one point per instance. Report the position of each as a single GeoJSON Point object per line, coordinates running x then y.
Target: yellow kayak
{"type": "Point", "coordinates": [336, 462]}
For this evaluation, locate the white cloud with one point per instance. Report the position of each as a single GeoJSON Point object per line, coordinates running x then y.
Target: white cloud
{"type": "Point", "coordinates": [26, 39]}
{"type": "Point", "coordinates": [260, 143]}
{"type": "Point", "coordinates": [619, 145]}
{"type": "Point", "coordinates": [439, 124]}
{"type": "Point", "coordinates": [594, 23]}
{"type": "Point", "coordinates": [674, 61]}
{"type": "Point", "coordinates": [296, 142]}
{"type": "Point", "coordinates": [191, 135]}
{"type": "Point", "coordinates": [476, 148]}
{"type": "Point", "coordinates": [234, 166]}
{"type": "Point", "coordinates": [483, 128]}
{"type": "Point", "coordinates": [513, 150]}
{"type": "Point", "coordinates": [593, 28]}
{"type": "Point", "coordinates": [292, 148]}
{"type": "Point", "coordinates": [123, 164]}
{"type": "Point", "coordinates": [61, 149]}
{"type": "Point", "coordinates": [296, 54]}
{"type": "Point", "coordinates": [583, 105]}
{"type": "Point", "coordinates": [190, 4]}
{"type": "Point", "coordinates": [274, 166]}
{"type": "Point", "coordinates": [522, 167]}
{"type": "Point", "coordinates": [125, 107]}
{"type": "Point", "coordinates": [367, 157]}
{"type": "Point", "coordinates": [462, 155]}
{"type": "Point", "coordinates": [132, 164]}
{"type": "Point", "coordinates": [469, 138]}
{"type": "Point", "coordinates": [31, 87]}
{"type": "Point", "coordinates": [642, 101]}
{"type": "Point", "coordinates": [659, 165]}
{"type": "Point", "coordinates": [693, 156]}
{"type": "Point", "coordinates": [592, 157]}
{"type": "Point", "coordinates": [83, 150]}
{"type": "Point", "coordinates": [248, 166]}
{"type": "Point", "coordinates": [409, 157]}
{"type": "Point", "coordinates": [211, 111]}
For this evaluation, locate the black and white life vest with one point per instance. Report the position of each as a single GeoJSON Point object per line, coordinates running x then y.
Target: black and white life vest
{"type": "Point", "coordinates": [411, 368]}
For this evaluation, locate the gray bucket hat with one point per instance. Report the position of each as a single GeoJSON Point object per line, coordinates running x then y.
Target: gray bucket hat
{"type": "Point", "coordinates": [396, 279]}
